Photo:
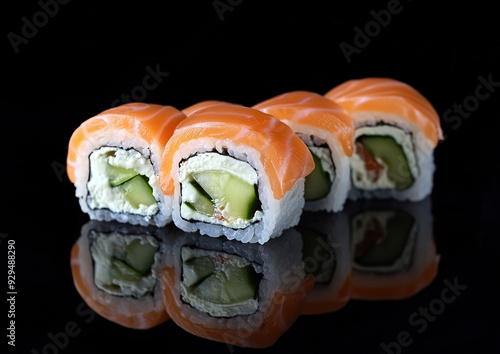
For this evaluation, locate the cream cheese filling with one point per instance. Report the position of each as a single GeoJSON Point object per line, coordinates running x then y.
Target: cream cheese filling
{"type": "Point", "coordinates": [361, 178]}
{"type": "Point", "coordinates": [100, 192]}
{"type": "Point", "coordinates": [325, 157]}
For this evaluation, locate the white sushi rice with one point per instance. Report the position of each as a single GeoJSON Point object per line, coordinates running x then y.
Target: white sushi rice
{"type": "Point", "coordinates": [277, 214]}
{"type": "Point", "coordinates": [123, 141]}
{"type": "Point", "coordinates": [421, 159]}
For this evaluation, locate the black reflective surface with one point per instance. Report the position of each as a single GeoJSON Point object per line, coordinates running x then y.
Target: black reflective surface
{"type": "Point", "coordinates": [81, 58]}
{"type": "Point", "coordinates": [374, 250]}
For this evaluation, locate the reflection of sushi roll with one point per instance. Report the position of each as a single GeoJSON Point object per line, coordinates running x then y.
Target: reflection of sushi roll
{"type": "Point", "coordinates": [328, 131]}
{"type": "Point", "coordinates": [397, 130]}
{"type": "Point", "coordinates": [326, 255]}
{"type": "Point", "coordinates": [392, 249]}
{"type": "Point", "coordinates": [235, 171]}
{"type": "Point", "coordinates": [240, 294]}
{"type": "Point", "coordinates": [115, 270]}
{"type": "Point", "coordinates": [113, 160]}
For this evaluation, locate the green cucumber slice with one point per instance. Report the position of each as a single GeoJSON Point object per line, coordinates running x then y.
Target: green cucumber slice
{"type": "Point", "coordinates": [213, 289]}
{"type": "Point", "coordinates": [317, 183]}
{"type": "Point", "coordinates": [389, 151]}
{"type": "Point", "coordinates": [140, 256]}
{"type": "Point", "coordinates": [200, 200]}
{"type": "Point", "coordinates": [234, 197]}
{"type": "Point", "coordinates": [197, 269]}
{"type": "Point", "coordinates": [239, 284]}
{"type": "Point", "coordinates": [119, 175]}
{"type": "Point", "coordinates": [137, 191]}
{"type": "Point", "coordinates": [212, 182]}
{"type": "Point", "coordinates": [121, 270]}
{"type": "Point", "coordinates": [230, 286]}
{"type": "Point", "coordinates": [241, 197]}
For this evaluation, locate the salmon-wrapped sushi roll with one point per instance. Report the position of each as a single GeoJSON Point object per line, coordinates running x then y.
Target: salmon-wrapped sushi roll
{"type": "Point", "coordinates": [328, 131]}
{"type": "Point", "coordinates": [235, 171]}
{"type": "Point", "coordinates": [246, 295]}
{"type": "Point", "coordinates": [397, 130]}
{"type": "Point", "coordinates": [116, 269]}
{"type": "Point", "coordinates": [113, 160]}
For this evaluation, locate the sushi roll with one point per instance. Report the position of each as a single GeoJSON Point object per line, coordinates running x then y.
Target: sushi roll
{"type": "Point", "coordinates": [327, 130]}
{"type": "Point", "coordinates": [113, 161]}
{"type": "Point", "coordinates": [245, 295]}
{"type": "Point", "coordinates": [116, 269]}
{"type": "Point", "coordinates": [235, 171]}
{"type": "Point", "coordinates": [392, 248]}
{"type": "Point", "coordinates": [326, 256]}
{"type": "Point", "coordinates": [397, 130]}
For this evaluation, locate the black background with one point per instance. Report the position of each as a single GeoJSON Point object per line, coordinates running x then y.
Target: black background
{"type": "Point", "coordinates": [85, 56]}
